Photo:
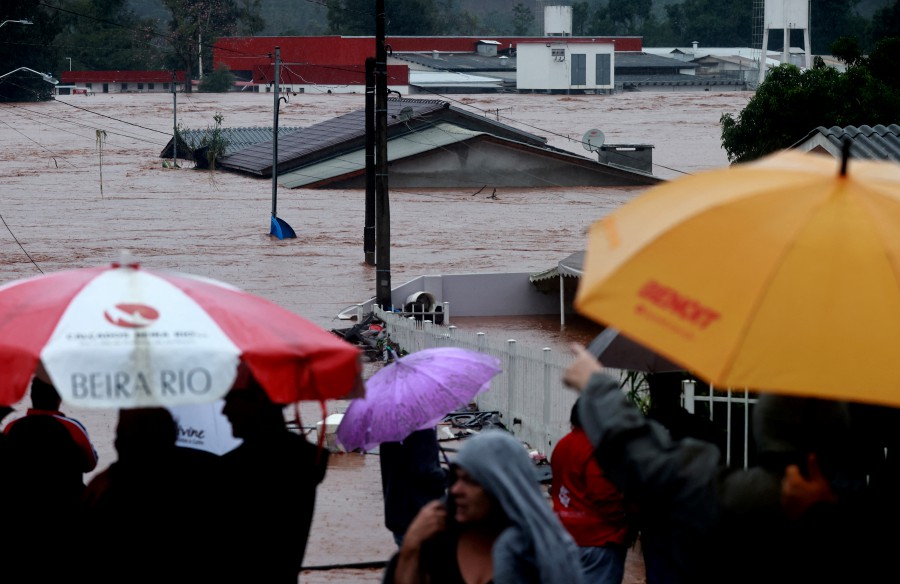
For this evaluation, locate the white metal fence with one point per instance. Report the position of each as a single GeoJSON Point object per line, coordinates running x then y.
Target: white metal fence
{"type": "Point", "coordinates": [530, 395]}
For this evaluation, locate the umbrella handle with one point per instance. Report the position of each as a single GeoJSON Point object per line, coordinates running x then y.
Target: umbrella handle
{"type": "Point", "coordinates": [444, 454]}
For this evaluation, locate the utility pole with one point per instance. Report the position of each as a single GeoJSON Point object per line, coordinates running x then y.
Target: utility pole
{"type": "Point", "coordinates": [174, 120]}
{"type": "Point", "coordinates": [369, 231]}
{"type": "Point", "coordinates": [278, 227]}
{"type": "Point", "coordinates": [382, 203]}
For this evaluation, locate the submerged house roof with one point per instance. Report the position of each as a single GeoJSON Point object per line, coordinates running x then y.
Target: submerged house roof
{"type": "Point", "coordinates": [870, 142]}
{"type": "Point", "coordinates": [448, 156]}
{"type": "Point", "coordinates": [347, 133]}
{"type": "Point", "coordinates": [431, 144]}
{"type": "Point", "coordinates": [236, 138]}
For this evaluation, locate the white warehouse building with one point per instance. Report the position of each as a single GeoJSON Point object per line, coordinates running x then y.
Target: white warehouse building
{"type": "Point", "coordinates": [565, 65]}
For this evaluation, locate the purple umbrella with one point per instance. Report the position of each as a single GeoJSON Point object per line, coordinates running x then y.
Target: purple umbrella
{"type": "Point", "coordinates": [415, 392]}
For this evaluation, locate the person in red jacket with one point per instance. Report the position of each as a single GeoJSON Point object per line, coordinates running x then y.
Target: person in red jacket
{"type": "Point", "coordinates": [590, 507]}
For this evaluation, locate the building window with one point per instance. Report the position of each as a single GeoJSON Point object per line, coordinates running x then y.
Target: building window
{"type": "Point", "coordinates": [89, 85]}
{"type": "Point", "coordinates": [603, 70]}
{"type": "Point", "coordinates": [579, 69]}
{"type": "Point", "coordinates": [124, 87]}
{"type": "Point", "coordinates": [165, 86]}
{"type": "Point", "coordinates": [150, 86]}
{"type": "Point", "coordinates": [140, 86]}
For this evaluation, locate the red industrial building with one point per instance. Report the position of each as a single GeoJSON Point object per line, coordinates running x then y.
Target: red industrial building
{"type": "Point", "coordinates": [338, 62]}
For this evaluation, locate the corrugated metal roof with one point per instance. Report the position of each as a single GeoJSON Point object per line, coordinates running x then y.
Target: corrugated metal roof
{"type": "Point", "coordinates": [321, 137]}
{"type": "Point", "coordinates": [869, 142]}
{"type": "Point", "coordinates": [459, 61]}
{"type": "Point", "coordinates": [447, 78]}
{"type": "Point", "coordinates": [237, 138]}
{"type": "Point", "coordinates": [647, 61]}
{"type": "Point", "coordinates": [400, 147]}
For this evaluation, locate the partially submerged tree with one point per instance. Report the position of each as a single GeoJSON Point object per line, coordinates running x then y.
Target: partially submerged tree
{"type": "Point", "coordinates": [219, 81]}
{"type": "Point", "coordinates": [791, 103]}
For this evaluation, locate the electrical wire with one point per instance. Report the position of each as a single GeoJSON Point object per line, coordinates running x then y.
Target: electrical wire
{"type": "Point", "coordinates": [19, 243]}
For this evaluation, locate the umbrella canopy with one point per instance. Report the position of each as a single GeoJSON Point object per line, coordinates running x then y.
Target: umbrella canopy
{"type": "Point", "coordinates": [613, 349]}
{"type": "Point", "coordinates": [778, 275]}
{"type": "Point", "coordinates": [415, 392]}
{"type": "Point", "coordinates": [122, 337]}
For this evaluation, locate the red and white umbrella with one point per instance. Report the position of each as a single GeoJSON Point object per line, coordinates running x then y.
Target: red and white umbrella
{"type": "Point", "coordinates": [123, 337]}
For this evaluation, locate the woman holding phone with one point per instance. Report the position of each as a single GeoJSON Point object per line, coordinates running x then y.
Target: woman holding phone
{"type": "Point", "coordinates": [495, 527]}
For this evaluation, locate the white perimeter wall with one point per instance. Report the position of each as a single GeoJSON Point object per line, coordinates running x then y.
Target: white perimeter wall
{"type": "Point", "coordinates": [538, 68]}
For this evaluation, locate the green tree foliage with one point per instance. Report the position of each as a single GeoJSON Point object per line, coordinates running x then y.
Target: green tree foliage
{"type": "Point", "coordinates": [830, 19]}
{"type": "Point", "coordinates": [886, 22]}
{"type": "Point", "coordinates": [789, 103]}
{"type": "Point", "coordinates": [27, 45]}
{"type": "Point", "coordinates": [106, 34]}
{"type": "Point", "coordinates": [218, 81]}
{"type": "Point", "coordinates": [401, 17]}
{"type": "Point", "coordinates": [628, 16]}
{"type": "Point", "coordinates": [712, 23]}
{"type": "Point", "coordinates": [194, 25]}
{"type": "Point", "coordinates": [523, 20]}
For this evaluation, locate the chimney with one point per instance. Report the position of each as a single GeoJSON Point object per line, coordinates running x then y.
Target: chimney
{"type": "Point", "coordinates": [695, 43]}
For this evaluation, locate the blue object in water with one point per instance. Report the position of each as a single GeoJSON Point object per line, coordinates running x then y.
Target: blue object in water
{"type": "Point", "coordinates": [281, 229]}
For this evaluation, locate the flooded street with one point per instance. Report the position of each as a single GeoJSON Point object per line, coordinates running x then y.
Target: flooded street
{"type": "Point", "coordinates": [82, 180]}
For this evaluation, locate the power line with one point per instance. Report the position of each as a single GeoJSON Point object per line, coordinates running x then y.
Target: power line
{"type": "Point", "coordinates": [19, 243]}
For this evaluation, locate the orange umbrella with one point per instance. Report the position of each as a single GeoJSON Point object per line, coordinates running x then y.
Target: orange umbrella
{"type": "Point", "coordinates": [777, 275]}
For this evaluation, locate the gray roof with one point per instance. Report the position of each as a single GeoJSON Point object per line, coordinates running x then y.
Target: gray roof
{"type": "Point", "coordinates": [408, 151]}
{"type": "Point", "coordinates": [872, 142]}
{"type": "Point", "coordinates": [237, 138]}
{"type": "Point", "coordinates": [635, 60]}
{"type": "Point", "coordinates": [461, 62]}
{"type": "Point", "coordinates": [355, 162]}
{"type": "Point", "coordinates": [347, 133]}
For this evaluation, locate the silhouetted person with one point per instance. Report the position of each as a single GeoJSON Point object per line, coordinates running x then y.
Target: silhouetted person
{"type": "Point", "coordinates": [411, 475]}
{"type": "Point", "coordinates": [270, 486]}
{"type": "Point", "coordinates": [796, 516]}
{"type": "Point", "coordinates": [50, 453]}
{"type": "Point", "coordinates": [47, 454]}
{"type": "Point", "coordinates": [665, 407]}
{"type": "Point", "coordinates": [152, 513]}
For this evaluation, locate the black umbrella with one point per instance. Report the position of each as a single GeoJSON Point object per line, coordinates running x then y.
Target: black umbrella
{"type": "Point", "coordinates": [615, 350]}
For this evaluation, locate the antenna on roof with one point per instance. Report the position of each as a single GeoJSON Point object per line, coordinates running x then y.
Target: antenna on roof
{"type": "Point", "coordinates": [592, 140]}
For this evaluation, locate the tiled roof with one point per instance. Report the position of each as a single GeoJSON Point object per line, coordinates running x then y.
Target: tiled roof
{"type": "Point", "coordinates": [237, 138]}
{"type": "Point", "coordinates": [321, 137]}
{"type": "Point", "coordinates": [871, 142]}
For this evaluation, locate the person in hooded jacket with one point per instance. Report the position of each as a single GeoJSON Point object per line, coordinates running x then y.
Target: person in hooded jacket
{"type": "Point", "coordinates": [497, 526]}
{"type": "Point", "coordinates": [798, 515]}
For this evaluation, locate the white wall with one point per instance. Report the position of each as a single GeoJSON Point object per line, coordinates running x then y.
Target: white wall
{"type": "Point", "coordinates": [548, 65]}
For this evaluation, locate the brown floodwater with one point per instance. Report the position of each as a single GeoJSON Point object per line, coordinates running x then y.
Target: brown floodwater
{"type": "Point", "coordinates": [82, 180]}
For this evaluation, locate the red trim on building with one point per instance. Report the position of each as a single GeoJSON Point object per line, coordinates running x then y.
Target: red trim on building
{"type": "Point", "coordinates": [248, 53]}
{"type": "Point", "coordinates": [69, 77]}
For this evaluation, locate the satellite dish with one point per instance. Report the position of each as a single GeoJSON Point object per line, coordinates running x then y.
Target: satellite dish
{"type": "Point", "coordinates": [405, 114]}
{"type": "Point", "coordinates": [593, 140]}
